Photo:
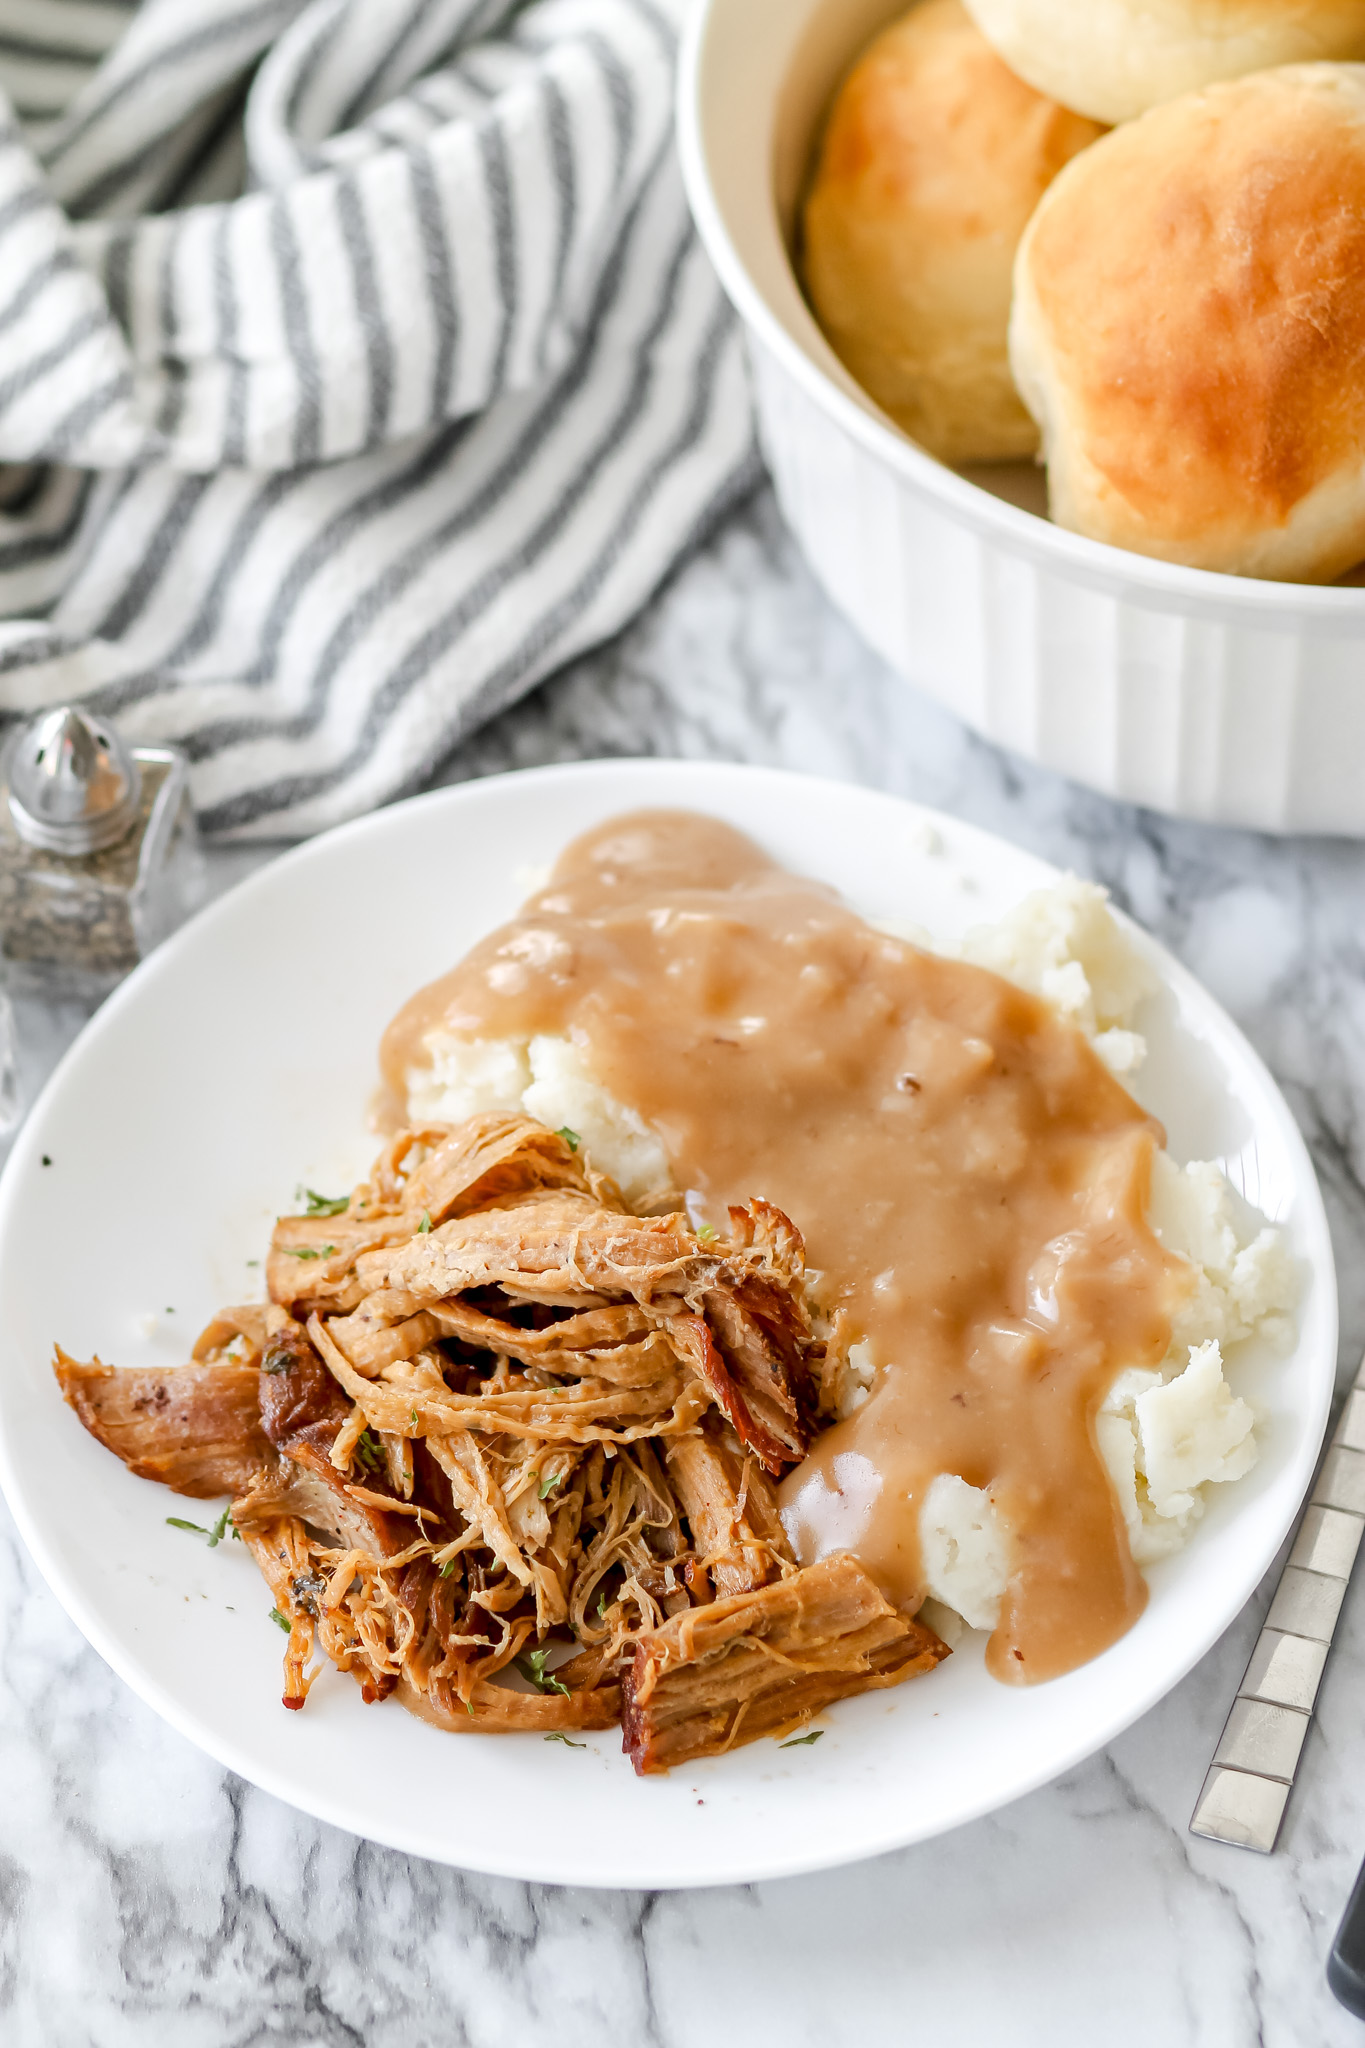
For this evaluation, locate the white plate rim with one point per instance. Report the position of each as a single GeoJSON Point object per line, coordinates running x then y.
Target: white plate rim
{"type": "Point", "coordinates": [547, 1866]}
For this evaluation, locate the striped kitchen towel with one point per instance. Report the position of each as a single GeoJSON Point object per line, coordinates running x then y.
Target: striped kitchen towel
{"type": "Point", "coordinates": [358, 367]}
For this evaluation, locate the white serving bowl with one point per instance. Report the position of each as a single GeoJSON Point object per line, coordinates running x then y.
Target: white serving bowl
{"type": "Point", "coordinates": [1209, 696]}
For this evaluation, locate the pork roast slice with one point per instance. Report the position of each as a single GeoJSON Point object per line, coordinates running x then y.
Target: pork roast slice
{"type": "Point", "coordinates": [763, 1662]}
{"type": "Point", "coordinates": [196, 1428]}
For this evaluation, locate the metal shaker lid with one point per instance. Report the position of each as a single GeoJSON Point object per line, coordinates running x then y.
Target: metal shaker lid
{"type": "Point", "coordinates": [74, 786]}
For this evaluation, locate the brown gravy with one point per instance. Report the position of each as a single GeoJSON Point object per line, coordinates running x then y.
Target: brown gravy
{"type": "Point", "coordinates": [968, 1176]}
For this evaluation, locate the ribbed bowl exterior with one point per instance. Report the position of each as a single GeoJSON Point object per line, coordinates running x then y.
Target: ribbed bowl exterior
{"type": "Point", "coordinates": [1201, 708]}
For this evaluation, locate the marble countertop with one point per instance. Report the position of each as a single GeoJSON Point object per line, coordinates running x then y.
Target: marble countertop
{"type": "Point", "coordinates": [147, 1896]}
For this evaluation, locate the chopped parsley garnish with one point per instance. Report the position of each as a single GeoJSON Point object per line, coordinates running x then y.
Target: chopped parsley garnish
{"type": "Point", "coordinates": [215, 1534]}
{"type": "Point", "coordinates": [566, 1742]}
{"type": "Point", "coordinates": [532, 1665]}
{"type": "Point", "coordinates": [425, 1224]}
{"type": "Point", "coordinates": [602, 1604]}
{"type": "Point", "coordinates": [322, 1205]}
{"type": "Point", "coordinates": [448, 1567]}
{"type": "Point", "coordinates": [412, 1418]}
{"type": "Point", "coordinates": [47, 1159]}
{"type": "Point", "coordinates": [370, 1452]}
{"type": "Point", "coordinates": [280, 1621]}
{"type": "Point", "coordinates": [308, 1251]}
{"type": "Point", "coordinates": [253, 1262]}
{"type": "Point", "coordinates": [705, 1232]}
{"type": "Point", "coordinates": [802, 1741]}
{"type": "Point", "coordinates": [547, 1486]}
{"type": "Point", "coordinates": [572, 1140]}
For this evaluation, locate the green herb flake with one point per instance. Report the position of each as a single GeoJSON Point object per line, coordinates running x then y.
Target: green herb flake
{"type": "Point", "coordinates": [572, 1140]}
{"type": "Point", "coordinates": [322, 1205]}
{"type": "Point", "coordinates": [253, 1262]}
{"type": "Point", "coordinates": [308, 1251]}
{"type": "Point", "coordinates": [425, 1225]}
{"type": "Point", "coordinates": [220, 1528]}
{"type": "Point", "coordinates": [174, 1522]}
{"type": "Point", "coordinates": [370, 1452]}
{"type": "Point", "coordinates": [280, 1621]}
{"type": "Point", "coordinates": [802, 1741]}
{"type": "Point", "coordinates": [547, 1486]}
{"type": "Point", "coordinates": [566, 1742]}
{"type": "Point", "coordinates": [532, 1665]}
{"type": "Point", "coordinates": [412, 1419]}
{"type": "Point", "coordinates": [705, 1233]}
{"type": "Point", "coordinates": [448, 1567]}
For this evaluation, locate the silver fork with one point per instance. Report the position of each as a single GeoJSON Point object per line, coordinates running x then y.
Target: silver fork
{"type": "Point", "coordinates": [1247, 1789]}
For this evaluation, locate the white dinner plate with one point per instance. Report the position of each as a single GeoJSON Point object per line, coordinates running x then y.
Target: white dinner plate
{"type": "Point", "coordinates": [239, 1062]}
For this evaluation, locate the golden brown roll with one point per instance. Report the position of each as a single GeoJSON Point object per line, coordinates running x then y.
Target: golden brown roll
{"type": "Point", "coordinates": [932, 161]}
{"type": "Point", "coordinates": [1189, 328]}
{"type": "Point", "coordinates": [1116, 58]}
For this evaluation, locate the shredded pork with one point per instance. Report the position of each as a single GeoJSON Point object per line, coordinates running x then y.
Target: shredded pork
{"type": "Point", "coordinates": [508, 1451]}
{"type": "Point", "coordinates": [764, 1662]}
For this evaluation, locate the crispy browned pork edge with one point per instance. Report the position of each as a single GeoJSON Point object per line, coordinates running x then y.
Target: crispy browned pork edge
{"type": "Point", "coordinates": [196, 1428]}
{"type": "Point", "coordinates": [731, 1511]}
{"type": "Point", "coordinates": [763, 1662]}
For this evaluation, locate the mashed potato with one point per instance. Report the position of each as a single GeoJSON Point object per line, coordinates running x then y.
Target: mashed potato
{"type": "Point", "coordinates": [1065, 945]}
{"type": "Point", "coordinates": [964, 1549]}
{"type": "Point", "coordinates": [547, 1078]}
{"type": "Point", "coordinates": [1164, 1441]}
{"type": "Point", "coordinates": [1165, 1436]}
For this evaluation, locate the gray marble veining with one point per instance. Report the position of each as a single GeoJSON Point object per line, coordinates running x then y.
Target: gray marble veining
{"type": "Point", "coordinates": [146, 1896]}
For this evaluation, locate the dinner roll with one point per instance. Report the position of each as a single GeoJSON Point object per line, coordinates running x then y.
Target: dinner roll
{"type": "Point", "coordinates": [1189, 328]}
{"type": "Point", "coordinates": [1115, 58]}
{"type": "Point", "coordinates": [932, 161]}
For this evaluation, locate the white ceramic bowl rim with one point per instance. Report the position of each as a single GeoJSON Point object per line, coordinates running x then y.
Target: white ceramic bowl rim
{"type": "Point", "coordinates": [1091, 561]}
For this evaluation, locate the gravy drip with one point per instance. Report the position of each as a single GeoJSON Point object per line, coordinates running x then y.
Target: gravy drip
{"type": "Point", "coordinates": [970, 1179]}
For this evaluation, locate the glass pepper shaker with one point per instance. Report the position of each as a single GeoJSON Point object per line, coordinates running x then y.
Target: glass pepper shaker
{"type": "Point", "coordinates": [99, 859]}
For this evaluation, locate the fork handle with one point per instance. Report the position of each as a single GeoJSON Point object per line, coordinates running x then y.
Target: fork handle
{"type": "Point", "coordinates": [1247, 1789]}
{"type": "Point", "coordinates": [1346, 1963]}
